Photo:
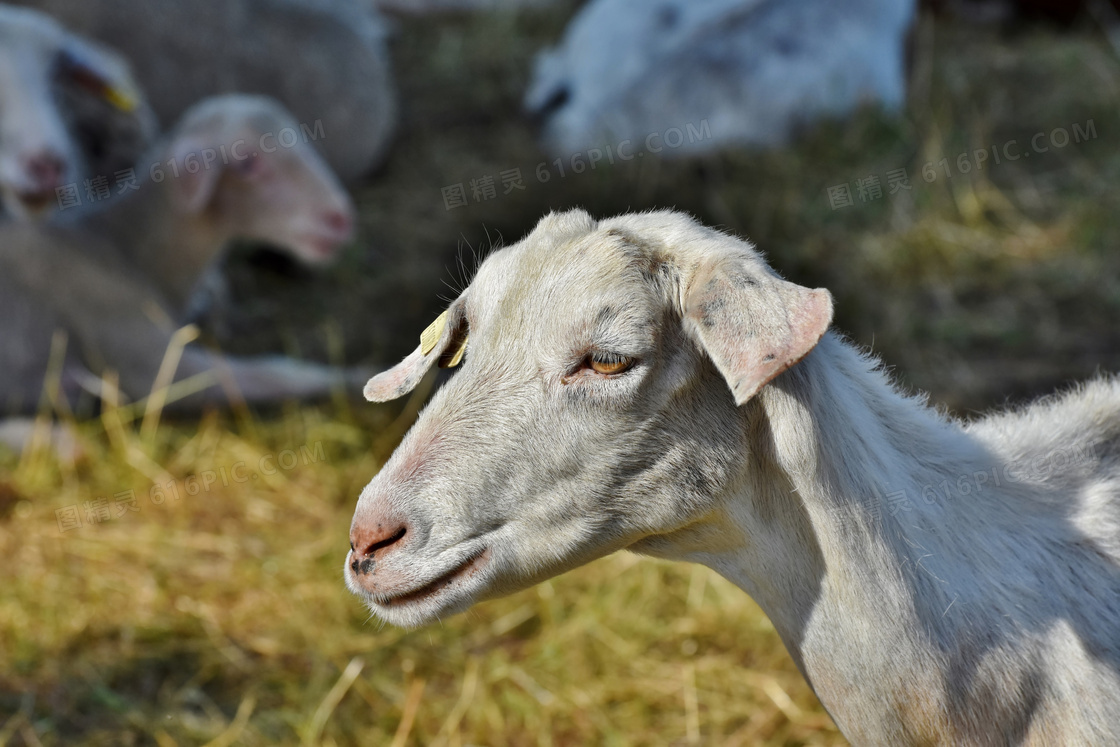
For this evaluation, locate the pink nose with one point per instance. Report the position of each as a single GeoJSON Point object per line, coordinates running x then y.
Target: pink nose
{"type": "Point", "coordinates": [339, 222]}
{"type": "Point", "coordinates": [45, 168]}
{"type": "Point", "coordinates": [371, 542]}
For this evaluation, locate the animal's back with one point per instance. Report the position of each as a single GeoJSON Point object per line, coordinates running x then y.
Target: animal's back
{"type": "Point", "coordinates": [56, 279]}
{"type": "Point", "coordinates": [1034, 615]}
{"type": "Point", "coordinates": [1060, 472]}
{"type": "Point", "coordinates": [29, 317]}
{"type": "Point", "coordinates": [1068, 437]}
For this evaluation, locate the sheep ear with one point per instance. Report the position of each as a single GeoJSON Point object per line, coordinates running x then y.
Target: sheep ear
{"type": "Point", "coordinates": [441, 342]}
{"type": "Point", "coordinates": [192, 191]}
{"type": "Point", "coordinates": [100, 71]}
{"type": "Point", "coordinates": [753, 324]}
{"type": "Point", "coordinates": [400, 379]}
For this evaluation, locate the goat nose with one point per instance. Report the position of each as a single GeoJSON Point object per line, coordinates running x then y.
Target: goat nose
{"type": "Point", "coordinates": [45, 168]}
{"type": "Point", "coordinates": [339, 222]}
{"type": "Point", "coordinates": [372, 542]}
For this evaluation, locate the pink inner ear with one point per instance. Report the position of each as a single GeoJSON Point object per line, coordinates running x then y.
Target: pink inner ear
{"type": "Point", "coordinates": [403, 377]}
{"type": "Point", "coordinates": [810, 319]}
{"type": "Point", "coordinates": [754, 331]}
{"type": "Point", "coordinates": [754, 366]}
{"type": "Point", "coordinates": [400, 379]}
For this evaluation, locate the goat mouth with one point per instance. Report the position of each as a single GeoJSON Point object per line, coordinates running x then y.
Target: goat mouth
{"type": "Point", "coordinates": [463, 571]}
{"type": "Point", "coordinates": [322, 248]}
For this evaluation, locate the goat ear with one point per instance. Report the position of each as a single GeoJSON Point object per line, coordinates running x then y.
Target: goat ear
{"type": "Point", "coordinates": [99, 71]}
{"type": "Point", "coordinates": [753, 324]}
{"type": "Point", "coordinates": [193, 190]}
{"type": "Point", "coordinates": [441, 342]}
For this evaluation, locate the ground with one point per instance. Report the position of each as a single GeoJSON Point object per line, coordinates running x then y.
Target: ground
{"type": "Point", "coordinates": [201, 599]}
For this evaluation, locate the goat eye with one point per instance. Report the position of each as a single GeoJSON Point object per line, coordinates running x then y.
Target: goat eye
{"type": "Point", "coordinates": [250, 166]}
{"type": "Point", "coordinates": [608, 364]}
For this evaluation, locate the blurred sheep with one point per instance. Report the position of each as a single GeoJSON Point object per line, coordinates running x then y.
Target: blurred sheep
{"type": "Point", "coordinates": [325, 60]}
{"type": "Point", "coordinates": [439, 6]}
{"type": "Point", "coordinates": [115, 277]}
{"type": "Point", "coordinates": [70, 110]}
{"type": "Point", "coordinates": [752, 70]}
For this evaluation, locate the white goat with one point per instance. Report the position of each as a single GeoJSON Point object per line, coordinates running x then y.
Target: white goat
{"type": "Point", "coordinates": [647, 383]}
{"type": "Point", "coordinates": [69, 110]}
{"type": "Point", "coordinates": [114, 277]}
{"type": "Point", "coordinates": [326, 61]}
{"type": "Point", "coordinates": [739, 71]}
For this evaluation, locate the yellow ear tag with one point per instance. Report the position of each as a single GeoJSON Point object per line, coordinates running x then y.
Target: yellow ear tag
{"type": "Point", "coordinates": [457, 358]}
{"type": "Point", "coordinates": [126, 101]}
{"type": "Point", "coordinates": [430, 336]}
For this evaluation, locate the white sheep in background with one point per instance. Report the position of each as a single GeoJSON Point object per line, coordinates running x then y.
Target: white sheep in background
{"type": "Point", "coordinates": [70, 110]}
{"type": "Point", "coordinates": [753, 70]}
{"type": "Point", "coordinates": [325, 60]}
{"type": "Point", "coordinates": [114, 277]}
{"type": "Point", "coordinates": [647, 383]}
{"type": "Point", "coordinates": [439, 6]}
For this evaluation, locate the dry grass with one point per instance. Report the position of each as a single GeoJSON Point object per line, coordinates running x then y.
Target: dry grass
{"type": "Point", "coordinates": [221, 618]}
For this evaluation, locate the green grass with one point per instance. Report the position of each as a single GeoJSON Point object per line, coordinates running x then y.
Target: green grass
{"type": "Point", "coordinates": [222, 615]}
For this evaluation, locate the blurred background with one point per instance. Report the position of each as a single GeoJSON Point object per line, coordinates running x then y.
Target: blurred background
{"type": "Point", "coordinates": [946, 169]}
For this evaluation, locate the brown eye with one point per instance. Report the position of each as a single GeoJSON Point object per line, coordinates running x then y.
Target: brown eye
{"type": "Point", "coordinates": [609, 365]}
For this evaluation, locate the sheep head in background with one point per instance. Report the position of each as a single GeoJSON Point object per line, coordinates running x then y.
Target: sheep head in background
{"type": "Point", "coordinates": [647, 383]}
{"type": "Point", "coordinates": [241, 166]}
{"type": "Point", "coordinates": [281, 193]}
{"type": "Point", "coordinates": [752, 70]}
{"type": "Point", "coordinates": [235, 167]}
{"type": "Point", "coordinates": [231, 169]}
{"type": "Point", "coordinates": [43, 145]}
